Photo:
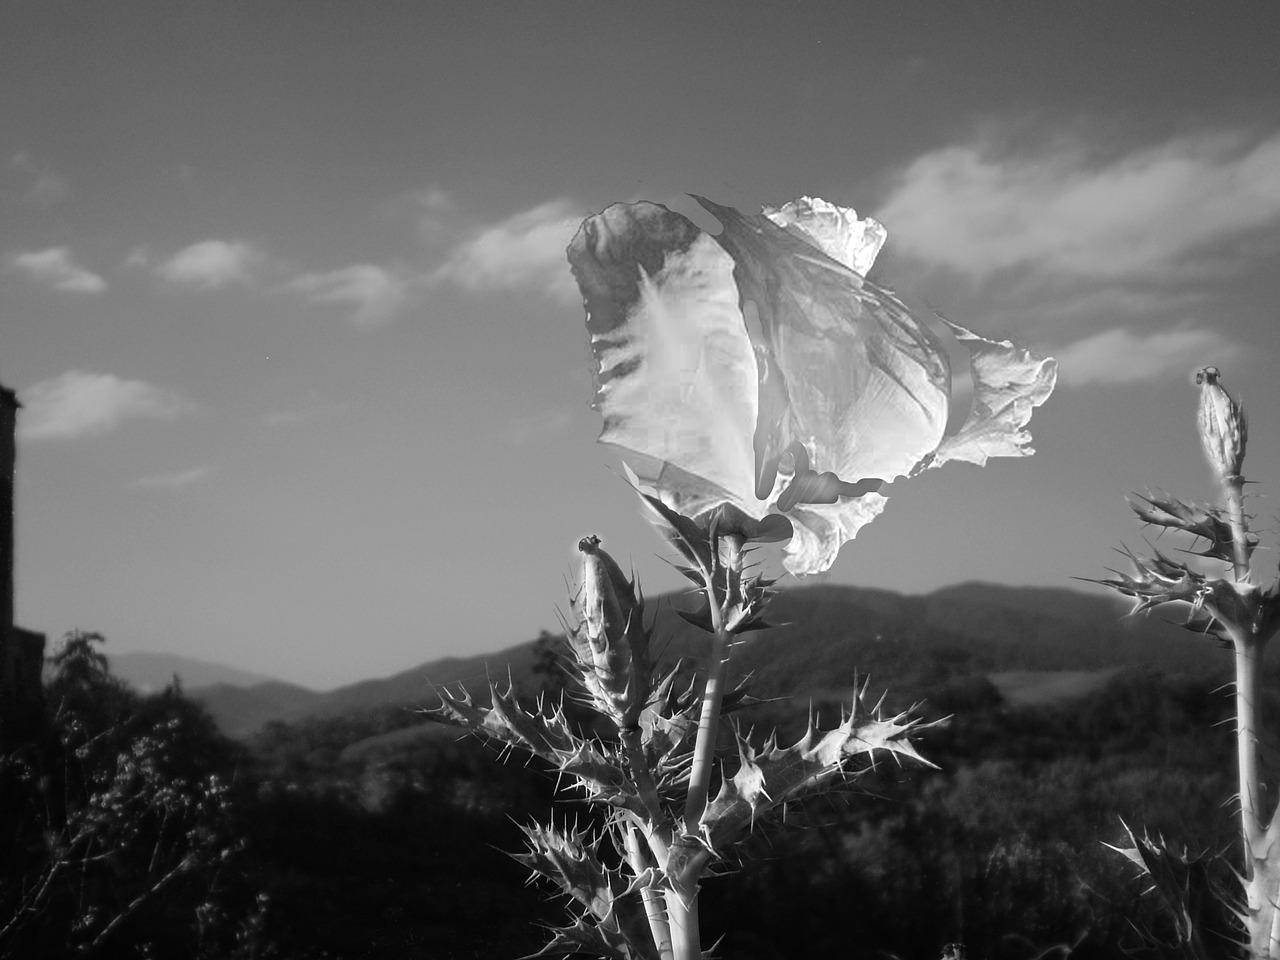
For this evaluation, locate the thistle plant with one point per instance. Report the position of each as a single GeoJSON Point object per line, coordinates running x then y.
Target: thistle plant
{"type": "Point", "coordinates": [1233, 607]}
{"type": "Point", "coordinates": [673, 810]}
{"type": "Point", "coordinates": [766, 390]}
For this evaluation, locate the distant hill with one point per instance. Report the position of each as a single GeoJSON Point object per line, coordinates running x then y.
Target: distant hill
{"type": "Point", "coordinates": [831, 634]}
{"type": "Point", "coordinates": [150, 672]}
{"type": "Point", "coordinates": [240, 711]}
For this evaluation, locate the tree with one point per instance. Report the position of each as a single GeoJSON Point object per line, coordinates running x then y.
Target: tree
{"type": "Point", "coordinates": [122, 837]}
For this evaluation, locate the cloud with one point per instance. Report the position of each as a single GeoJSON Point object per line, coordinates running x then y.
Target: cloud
{"type": "Point", "coordinates": [35, 184]}
{"type": "Point", "coordinates": [1147, 213]}
{"type": "Point", "coordinates": [1119, 356]}
{"type": "Point", "coordinates": [55, 267]}
{"type": "Point", "coordinates": [172, 481]}
{"type": "Point", "coordinates": [81, 404]}
{"type": "Point", "coordinates": [211, 264]}
{"type": "Point", "coordinates": [377, 294]}
{"type": "Point", "coordinates": [435, 215]}
{"type": "Point", "coordinates": [532, 428]}
{"type": "Point", "coordinates": [525, 251]}
{"type": "Point", "coordinates": [292, 418]}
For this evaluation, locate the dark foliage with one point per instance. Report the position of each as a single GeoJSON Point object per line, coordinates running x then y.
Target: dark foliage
{"type": "Point", "coordinates": [1002, 849]}
{"type": "Point", "coordinates": [121, 833]}
{"type": "Point", "coordinates": [377, 836]}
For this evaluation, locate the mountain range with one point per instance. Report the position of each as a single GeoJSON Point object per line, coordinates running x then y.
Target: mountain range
{"type": "Point", "coordinates": [826, 637]}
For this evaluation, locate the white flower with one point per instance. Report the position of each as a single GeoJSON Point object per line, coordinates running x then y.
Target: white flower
{"type": "Point", "coordinates": [760, 368]}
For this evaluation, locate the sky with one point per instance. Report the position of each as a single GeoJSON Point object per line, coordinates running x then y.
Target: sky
{"type": "Point", "coordinates": [306, 379]}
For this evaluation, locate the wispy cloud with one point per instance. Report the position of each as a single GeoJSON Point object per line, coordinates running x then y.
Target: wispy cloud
{"type": "Point", "coordinates": [1145, 214]}
{"type": "Point", "coordinates": [524, 251]}
{"type": "Point", "coordinates": [80, 404]}
{"type": "Point", "coordinates": [172, 481]}
{"type": "Point", "coordinates": [210, 264]}
{"type": "Point", "coordinates": [540, 425]}
{"type": "Point", "coordinates": [55, 267]}
{"type": "Point", "coordinates": [376, 293]}
{"type": "Point", "coordinates": [292, 418]}
{"type": "Point", "coordinates": [34, 183]}
{"type": "Point", "coordinates": [1119, 356]}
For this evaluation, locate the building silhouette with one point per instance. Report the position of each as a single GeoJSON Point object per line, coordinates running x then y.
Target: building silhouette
{"type": "Point", "coordinates": [21, 651]}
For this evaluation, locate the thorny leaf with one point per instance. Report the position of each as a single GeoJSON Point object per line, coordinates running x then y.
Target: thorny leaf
{"type": "Point", "coordinates": [1184, 884]}
{"type": "Point", "coordinates": [1200, 520]}
{"type": "Point", "coordinates": [613, 925]}
{"type": "Point", "coordinates": [773, 775]}
{"type": "Point", "coordinates": [1156, 580]}
{"type": "Point", "coordinates": [1219, 608]}
{"type": "Point", "coordinates": [546, 734]}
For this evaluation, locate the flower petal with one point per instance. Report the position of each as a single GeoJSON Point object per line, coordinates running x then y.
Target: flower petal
{"type": "Point", "coordinates": [760, 364]}
{"type": "Point", "coordinates": [821, 529]}
{"type": "Point", "coordinates": [1008, 383]}
{"type": "Point", "coordinates": [674, 368]}
{"type": "Point", "coordinates": [836, 231]}
{"type": "Point", "coordinates": [846, 370]}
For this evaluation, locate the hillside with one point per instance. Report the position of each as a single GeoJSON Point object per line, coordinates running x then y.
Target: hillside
{"type": "Point", "coordinates": [240, 711]}
{"type": "Point", "coordinates": [148, 672]}
{"type": "Point", "coordinates": [826, 636]}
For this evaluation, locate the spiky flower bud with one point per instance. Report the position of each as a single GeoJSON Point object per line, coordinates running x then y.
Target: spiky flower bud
{"type": "Point", "coordinates": [610, 641]}
{"type": "Point", "coordinates": [1223, 429]}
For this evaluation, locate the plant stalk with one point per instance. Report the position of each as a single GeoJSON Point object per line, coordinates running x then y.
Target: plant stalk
{"type": "Point", "coordinates": [651, 896]}
{"type": "Point", "coordinates": [1239, 535]}
{"type": "Point", "coordinates": [682, 913]}
{"type": "Point", "coordinates": [1261, 868]}
{"type": "Point", "coordinates": [682, 897]}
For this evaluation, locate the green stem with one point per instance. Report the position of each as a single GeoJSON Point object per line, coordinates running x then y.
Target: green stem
{"type": "Point", "coordinates": [641, 775]}
{"type": "Point", "coordinates": [713, 692]}
{"type": "Point", "coordinates": [1239, 533]}
{"type": "Point", "coordinates": [708, 724]}
{"type": "Point", "coordinates": [682, 897]}
{"type": "Point", "coordinates": [1262, 918]}
{"type": "Point", "coordinates": [651, 894]}
{"type": "Point", "coordinates": [657, 831]}
{"type": "Point", "coordinates": [1247, 656]}
{"type": "Point", "coordinates": [1261, 915]}
{"type": "Point", "coordinates": [682, 912]}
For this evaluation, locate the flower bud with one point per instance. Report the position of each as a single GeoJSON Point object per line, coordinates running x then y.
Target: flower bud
{"type": "Point", "coordinates": [1223, 429]}
{"type": "Point", "coordinates": [610, 641]}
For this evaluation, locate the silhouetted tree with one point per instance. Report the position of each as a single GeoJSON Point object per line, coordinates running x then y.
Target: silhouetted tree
{"type": "Point", "coordinates": [121, 839]}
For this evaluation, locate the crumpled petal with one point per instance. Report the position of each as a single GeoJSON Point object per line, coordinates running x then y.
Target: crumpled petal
{"type": "Point", "coordinates": [726, 361]}
{"type": "Point", "coordinates": [836, 231]}
{"type": "Point", "coordinates": [1008, 383]}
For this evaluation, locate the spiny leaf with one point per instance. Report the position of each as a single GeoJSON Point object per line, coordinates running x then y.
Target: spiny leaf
{"type": "Point", "coordinates": [1184, 883]}
{"type": "Point", "coordinates": [681, 532]}
{"type": "Point", "coordinates": [613, 925]}
{"type": "Point", "coordinates": [1200, 520]}
{"type": "Point", "coordinates": [1157, 580]}
{"type": "Point", "coordinates": [546, 734]}
{"type": "Point", "coordinates": [569, 859]}
{"type": "Point", "coordinates": [771, 776]}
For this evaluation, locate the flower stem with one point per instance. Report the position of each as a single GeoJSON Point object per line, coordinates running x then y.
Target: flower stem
{"type": "Point", "coordinates": [713, 692]}
{"type": "Point", "coordinates": [651, 895]}
{"type": "Point", "coordinates": [1239, 534]}
{"type": "Point", "coordinates": [682, 897]}
{"type": "Point", "coordinates": [682, 912]}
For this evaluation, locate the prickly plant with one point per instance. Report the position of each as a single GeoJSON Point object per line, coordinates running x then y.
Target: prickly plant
{"type": "Point", "coordinates": [1234, 608]}
{"type": "Point", "coordinates": [767, 387]}
{"type": "Point", "coordinates": [673, 812]}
